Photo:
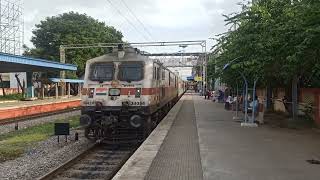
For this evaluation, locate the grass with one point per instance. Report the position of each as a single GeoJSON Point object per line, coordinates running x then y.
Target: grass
{"type": "Point", "coordinates": [11, 97]}
{"type": "Point", "coordinates": [14, 144]}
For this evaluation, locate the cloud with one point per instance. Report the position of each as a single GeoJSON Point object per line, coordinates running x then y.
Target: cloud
{"type": "Point", "coordinates": [166, 20]}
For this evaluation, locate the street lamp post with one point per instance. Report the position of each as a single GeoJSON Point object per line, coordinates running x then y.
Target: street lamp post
{"type": "Point", "coordinates": [226, 66]}
{"type": "Point", "coordinates": [246, 122]}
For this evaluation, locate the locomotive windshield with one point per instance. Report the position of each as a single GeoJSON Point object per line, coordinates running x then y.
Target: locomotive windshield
{"type": "Point", "coordinates": [101, 72]}
{"type": "Point", "coordinates": [131, 71]}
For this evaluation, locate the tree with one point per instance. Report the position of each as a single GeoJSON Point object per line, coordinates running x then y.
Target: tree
{"type": "Point", "coordinates": [71, 28]}
{"type": "Point", "coordinates": [277, 40]}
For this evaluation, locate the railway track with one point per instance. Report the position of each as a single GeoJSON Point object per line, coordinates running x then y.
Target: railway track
{"type": "Point", "coordinates": [102, 160]}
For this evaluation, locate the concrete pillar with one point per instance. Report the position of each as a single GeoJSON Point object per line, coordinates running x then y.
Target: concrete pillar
{"type": "Point", "coordinates": [62, 73]}
{"type": "Point", "coordinates": [69, 86]}
{"type": "Point", "coordinates": [79, 89]}
{"type": "Point", "coordinates": [42, 91]}
{"type": "Point", "coordinates": [57, 90]}
{"type": "Point", "coordinates": [30, 88]}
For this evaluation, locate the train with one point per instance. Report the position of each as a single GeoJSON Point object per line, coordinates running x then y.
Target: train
{"type": "Point", "coordinates": [126, 89]}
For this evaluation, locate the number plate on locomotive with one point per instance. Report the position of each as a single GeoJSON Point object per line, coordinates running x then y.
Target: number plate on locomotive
{"type": "Point", "coordinates": [137, 103]}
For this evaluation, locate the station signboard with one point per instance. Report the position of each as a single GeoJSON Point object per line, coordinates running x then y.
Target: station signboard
{"type": "Point", "coordinates": [198, 78]}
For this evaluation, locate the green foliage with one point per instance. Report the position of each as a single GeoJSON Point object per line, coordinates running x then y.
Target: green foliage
{"type": "Point", "coordinates": [211, 68]}
{"type": "Point", "coordinates": [11, 97]}
{"type": "Point", "coordinates": [276, 40]}
{"type": "Point", "coordinates": [14, 144]}
{"type": "Point", "coordinates": [71, 28]}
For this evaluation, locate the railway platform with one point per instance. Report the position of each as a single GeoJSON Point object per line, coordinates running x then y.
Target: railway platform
{"type": "Point", "coordinates": [199, 140]}
{"type": "Point", "coordinates": [19, 109]}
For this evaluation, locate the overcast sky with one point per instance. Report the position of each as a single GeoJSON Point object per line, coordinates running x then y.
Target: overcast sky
{"type": "Point", "coordinates": [165, 20]}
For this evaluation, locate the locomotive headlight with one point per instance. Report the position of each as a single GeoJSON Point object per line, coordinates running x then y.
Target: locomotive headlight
{"type": "Point", "coordinates": [91, 93]}
{"type": "Point", "coordinates": [136, 121]}
{"type": "Point", "coordinates": [138, 92]}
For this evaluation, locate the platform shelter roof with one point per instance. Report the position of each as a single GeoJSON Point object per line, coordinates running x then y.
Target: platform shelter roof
{"type": "Point", "coordinates": [14, 63]}
{"type": "Point", "coordinates": [57, 80]}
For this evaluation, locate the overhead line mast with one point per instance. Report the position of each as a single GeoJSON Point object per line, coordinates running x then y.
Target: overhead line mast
{"type": "Point", "coordinates": [202, 56]}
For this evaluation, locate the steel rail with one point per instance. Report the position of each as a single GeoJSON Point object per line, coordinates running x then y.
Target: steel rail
{"type": "Point", "coordinates": [67, 164]}
{"type": "Point", "coordinates": [58, 171]}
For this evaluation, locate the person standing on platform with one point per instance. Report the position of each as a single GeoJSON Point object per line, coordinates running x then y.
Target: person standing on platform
{"type": "Point", "coordinates": [228, 103]}
{"type": "Point", "coordinates": [255, 104]}
{"type": "Point", "coordinates": [207, 94]}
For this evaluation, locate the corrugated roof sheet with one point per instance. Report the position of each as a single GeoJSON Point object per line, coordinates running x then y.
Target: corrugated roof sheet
{"type": "Point", "coordinates": [56, 80]}
{"type": "Point", "coordinates": [34, 62]}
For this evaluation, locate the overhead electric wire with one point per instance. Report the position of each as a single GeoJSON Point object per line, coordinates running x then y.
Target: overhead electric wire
{"type": "Point", "coordinates": [134, 16]}
{"type": "Point", "coordinates": [120, 13]}
{"type": "Point", "coordinates": [140, 22]}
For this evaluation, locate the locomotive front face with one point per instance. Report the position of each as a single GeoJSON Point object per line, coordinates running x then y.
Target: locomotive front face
{"type": "Point", "coordinates": [116, 92]}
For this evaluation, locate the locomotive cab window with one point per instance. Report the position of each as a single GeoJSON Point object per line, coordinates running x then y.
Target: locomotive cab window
{"type": "Point", "coordinates": [101, 72]}
{"type": "Point", "coordinates": [131, 71]}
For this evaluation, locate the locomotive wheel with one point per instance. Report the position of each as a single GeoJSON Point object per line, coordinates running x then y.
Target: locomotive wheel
{"type": "Point", "coordinates": [147, 126]}
{"type": "Point", "coordinates": [157, 118]}
{"type": "Point", "coordinates": [87, 131]}
{"type": "Point", "coordinates": [93, 133]}
{"type": "Point", "coordinates": [97, 134]}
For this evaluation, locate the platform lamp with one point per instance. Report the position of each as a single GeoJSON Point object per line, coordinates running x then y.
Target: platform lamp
{"type": "Point", "coordinates": [246, 119]}
{"type": "Point", "coordinates": [226, 66]}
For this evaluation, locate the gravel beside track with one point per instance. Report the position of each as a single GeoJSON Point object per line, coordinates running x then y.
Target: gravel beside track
{"type": "Point", "coordinates": [42, 158]}
{"type": "Point", "coordinates": [101, 162]}
{"type": "Point", "coordinates": [5, 128]}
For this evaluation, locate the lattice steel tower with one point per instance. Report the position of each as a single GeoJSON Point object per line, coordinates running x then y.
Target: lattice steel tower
{"type": "Point", "coordinates": [11, 26]}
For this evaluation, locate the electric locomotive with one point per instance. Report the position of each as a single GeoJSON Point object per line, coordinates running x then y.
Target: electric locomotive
{"type": "Point", "coordinates": [126, 89]}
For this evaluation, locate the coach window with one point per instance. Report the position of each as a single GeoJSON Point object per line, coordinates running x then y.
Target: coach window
{"type": "Point", "coordinates": [154, 73]}
{"type": "Point", "coordinates": [157, 70]}
{"type": "Point", "coordinates": [158, 73]}
{"type": "Point", "coordinates": [163, 74]}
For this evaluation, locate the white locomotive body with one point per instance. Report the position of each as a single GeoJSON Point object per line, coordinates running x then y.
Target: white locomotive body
{"type": "Point", "coordinates": [126, 89]}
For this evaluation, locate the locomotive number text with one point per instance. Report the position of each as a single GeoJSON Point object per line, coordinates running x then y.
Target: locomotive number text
{"type": "Point", "coordinates": [137, 103]}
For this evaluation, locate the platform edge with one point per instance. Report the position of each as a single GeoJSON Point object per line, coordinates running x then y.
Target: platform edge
{"type": "Point", "coordinates": [137, 166]}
